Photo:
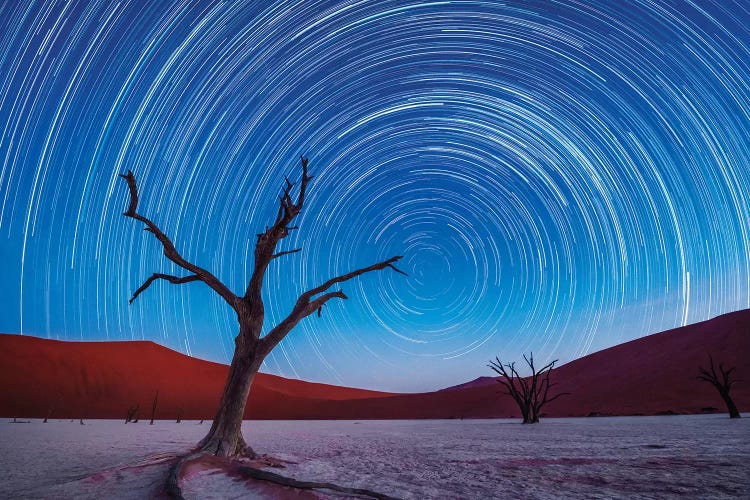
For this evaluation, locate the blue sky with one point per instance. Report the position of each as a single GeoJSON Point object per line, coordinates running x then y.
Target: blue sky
{"type": "Point", "coordinates": [560, 177]}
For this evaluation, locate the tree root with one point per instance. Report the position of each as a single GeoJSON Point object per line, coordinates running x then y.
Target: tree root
{"type": "Point", "coordinates": [172, 487]}
{"type": "Point", "coordinates": [239, 467]}
{"type": "Point", "coordinates": [248, 472]}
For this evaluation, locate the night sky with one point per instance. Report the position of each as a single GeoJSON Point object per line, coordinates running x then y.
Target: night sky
{"type": "Point", "coordinates": [559, 176]}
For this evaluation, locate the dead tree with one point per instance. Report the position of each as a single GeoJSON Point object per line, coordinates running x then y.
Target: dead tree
{"type": "Point", "coordinates": [179, 415]}
{"type": "Point", "coordinates": [130, 415]}
{"type": "Point", "coordinates": [722, 382]}
{"type": "Point", "coordinates": [51, 408]}
{"type": "Point", "coordinates": [225, 436]}
{"type": "Point", "coordinates": [153, 407]}
{"type": "Point", "coordinates": [530, 393]}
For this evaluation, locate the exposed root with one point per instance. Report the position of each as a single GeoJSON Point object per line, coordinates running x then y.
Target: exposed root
{"type": "Point", "coordinates": [177, 472]}
{"type": "Point", "coordinates": [262, 475]}
{"type": "Point", "coordinates": [150, 461]}
{"type": "Point", "coordinates": [250, 469]}
{"type": "Point", "coordinates": [172, 487]}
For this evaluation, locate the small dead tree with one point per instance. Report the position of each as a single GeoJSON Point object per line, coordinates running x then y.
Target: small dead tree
{"type": "Point", "coordinates": [530, 393]}
{"type": "Point", "coordinates": [722, 381]}
{"type": "Point", "coordinates": [52, 408]}
{"type": "Point", "coordinates": [153, 407]}
{"type": "Point", "coordinates": [225, 436]}
{"type": "Point", "coordinates": [179, 415]}
{"type": "Point", "coordinates": [130, 415]}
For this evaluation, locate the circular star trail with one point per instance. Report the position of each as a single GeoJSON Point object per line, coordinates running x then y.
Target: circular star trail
{"type": "Point", "coordinates": [559, 176]}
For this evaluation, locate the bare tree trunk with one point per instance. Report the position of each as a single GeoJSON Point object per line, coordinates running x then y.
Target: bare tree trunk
{"type": "Point", "coordinates": [153, 407]}
{"type": "Point", "coordinates": [225, 437]}
{"type": "Point", "coordinates": [130, 416]}
{"type": "Point", "coordinates": [731, 407]}
{"type": "Point", "coordinates": [525, 413]}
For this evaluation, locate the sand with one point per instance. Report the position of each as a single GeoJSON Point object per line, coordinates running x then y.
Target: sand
{"type": "Point", "coordinates": [698, 456]}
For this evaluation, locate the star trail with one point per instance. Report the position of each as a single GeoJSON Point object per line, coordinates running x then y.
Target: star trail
{"type": "Point", "coordinates": [559, 176]}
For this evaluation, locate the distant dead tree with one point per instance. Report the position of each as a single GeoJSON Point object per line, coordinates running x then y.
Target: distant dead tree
{"type": "Point", "coordinates": [51, 408]}
{"type": "Point", "coordinates": [130, 415]}
{"type": "Point", "coordinates": [153, 407]}
{"type": "Point", "coordinates": [722, 381]}
{"type": "Point", "coordinates": [179, 415]}
{"type": "Point", "coordinates": [530, 393]}
{"type": "Point", "coordinates": [225, 436]}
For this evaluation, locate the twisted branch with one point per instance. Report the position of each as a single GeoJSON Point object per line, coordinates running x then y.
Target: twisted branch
{"type": "Point", "coordinates": [723, 382]}
{"type": "Point", "coordinates": [158, 276]}
{"type": "Point", "coordinates": [307, 304]}
{"type": "Point", "coordinates": [169, 249]}
{"type": "Point", "coordinates": [286, 252]}
{"type": "Point", "coordinates": [265, 247]}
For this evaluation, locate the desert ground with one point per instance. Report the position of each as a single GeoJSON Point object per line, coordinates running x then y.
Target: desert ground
{"type": "Point", "coordinates": [698, 456]}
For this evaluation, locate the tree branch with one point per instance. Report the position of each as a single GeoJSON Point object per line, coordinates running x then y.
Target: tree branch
{"type": "Point", "coordinates": [158, 276]}
{"type": "Point", "coordinates": [286, 252]}
{"type": "Point", "coordinates": [532, 391]}
{"type": "Point", "coordinates": [305, 297]}
{"type": "Point", "coordinates": [307, 305]}
{"type": "Point", "coordinates": [556, 396]}
{"type": "Point", "coordinates": [289, 209]}
{"type": "Point", "coordinates": [509, 382]}
{"type": "Point", "coordinates": [722, 383]}
{"type": "Point", "coordinates": [265, 247]}
{"type": "Point", "coordinates": [169, 249]}
{"type": "Point", "coordinates": [397, 269]}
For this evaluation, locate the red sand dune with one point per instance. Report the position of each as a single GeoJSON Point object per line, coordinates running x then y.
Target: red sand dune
{"type": "Point", "coordinates": [650, 375]}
